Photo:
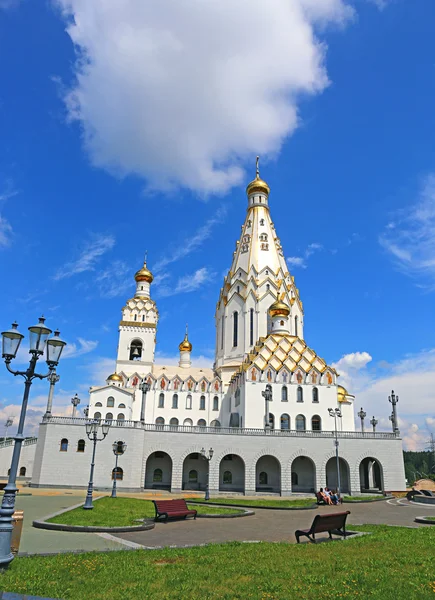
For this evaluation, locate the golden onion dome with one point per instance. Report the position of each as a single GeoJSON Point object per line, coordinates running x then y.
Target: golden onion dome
{"type": "Point", "coordinates": [114, 377]}
{"type": "Point", "coordinates": [185, 345]}
{"type": "Point", "coordinates": [144, 274]}
{"type": "Point", "coordinates": [341, 393]}
{"type": "Point", "coordinates": [258, 185]}
{"type": "Point", "coordinates": [279, 308]}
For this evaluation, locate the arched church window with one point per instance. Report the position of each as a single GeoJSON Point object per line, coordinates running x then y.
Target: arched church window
{"type": "Point", "coordinates": [143, 317]}
{"type": "Point", "coordinates": [118, 474]}
{"type": "Point", "coordinates": [81, 446]}
{"type": "Point", "coordinates": [120, 417]}
{"type": "Point", "coordinates": [300, 394]}
{"type": "Point", "coordinates": [215, 403]}
{"type": "Point", "coordinates": [285, 422]}
{"type": "Point", "coordinates": [267, 287]}
{"type": "Point", "coordinates": [251, 326]}
{"type": "Point", "coordinates": [261, 221]}
{"type": "Point", "coordinates": [300, 423]}
{"type": "Point", "coordinates": [284, 394]}
{"type": "Point", "coordinates": [188, 422]}
{"type": "Point", "coordinates": [189, 402]}
{"type": "Point", "coordinates": [110, 402]}
{"type": "Point", "coordinates": [315, 394]}
{"type": "Point", "coordinates": [121, 405]}
{"type": "Point", "coordinates": [136, 348]}
{"type": "Point", "coordinates": [175, 401]}
{"type": "Point", "coordinates": [202, 423]}
{"type": "Point", "coordinates": [263, 478]}
{"type": "Point", "coordinates": [235, 328]}
{"type": "Point", "coordinates": [157, 476]}
{"type": "Point", "coordinates": [98, 404]}
{"type": "Point", "coordinates": [135, 317]}
{"type": "Point", "coordinates": [173, 422]}
{"type": "Point", "coordinates": [161, 400]}
{"type": "Point", "coordinates": [64, 445]}
{"type": "Point", "coordinates": [296, 325]}
{"type": "Point", "coordinates": [23, 471]}
{"type": "Point", "coordinates": [202, 403]}
{"type": "Point", "coordinates": [215, 423]}
{"type": "Point", "coordinates": [160, 421]}
{"type": "Point", "coordinates": [109, 417]}
{"type": "Point", "coordinates": [316, 423]}
{"type": "Point", "coordinates": [271, 421]}
{"type": "Point", "coordinates": [97, 415]}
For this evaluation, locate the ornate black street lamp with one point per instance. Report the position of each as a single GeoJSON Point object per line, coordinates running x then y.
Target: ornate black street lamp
{"type": "Point", "coordinates": [337, 415]}
{"type": "Point", "coordinates": [39, 343]}
{"type": "Point", "coordinates": [208, 459]}
{"type": "Point", "coordinates": [393, 399]}
{"type": "Point", "coordinates": [9, 423]}
{"type": "Point", "coordinates": [118, 450]}
{"type": "Point", "coordinates": [92, 433]}
{"type": "Point", "coordinates": [373, 423]}
{"type": "Point", "coordinates": [267, 395]}
{"type": "Point", "coordinates": [145, 387]}
{"type": "Point", "coordinates": [53, 378]}
{"type": "Point", "coordinates": [75, 402]}
{"type": "Point", "coordinates": [362, 415]}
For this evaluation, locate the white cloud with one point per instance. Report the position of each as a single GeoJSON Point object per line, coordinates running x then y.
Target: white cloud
{"type": "Point", "coordinates": [410, 237]}
{"type": "Point", "coordinates": [187, 283]}
{"type": "Point", "coordinates": [192, 242]}
{"type": "Point", "coordinates": [381, 4]}
{"type": "Point", "coordinates": [90, 254]}
{"type": "Point", "coordinates": [412, 378]}
{"type": "Point", "coordinates": [73, 350]}
{"type": "Point", "coordinates": [301, 261]}
{"type": "Point", "coordinates": [115, 280]}
{"type": "Point", "coordinates": [181, 93]}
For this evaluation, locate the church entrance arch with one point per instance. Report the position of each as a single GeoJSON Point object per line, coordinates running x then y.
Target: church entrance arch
{"type": "Point", "coordinates": [194, 472]}
{"type": "Point", "coordinates": [331, 475]}
{"type": "Point", "coordinates": [268, 474]}
{"type": "Point", "coordinates": [158, 471]}
{"type": "Point", "coordinates": [232, 474]}
{"type": "Point", "coordinates": [371, 475]}
{"type": "Point", "coordinates": [303, 475]}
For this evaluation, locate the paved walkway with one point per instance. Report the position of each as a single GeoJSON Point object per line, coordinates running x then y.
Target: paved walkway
{"type": "Point", "coordinates": [265, 525]}
{"type": "Point", "coordinates": [272, 525]}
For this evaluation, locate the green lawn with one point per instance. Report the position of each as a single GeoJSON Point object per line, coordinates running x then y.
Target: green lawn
{"type": "Point", "coordinates": [392, 564]}
{"type": "Point", "coordinates": [119, 512]}
{"type": "Point", "coordinates": [272, 503]}
{"type": "Point", "coordinates": [359, 498]}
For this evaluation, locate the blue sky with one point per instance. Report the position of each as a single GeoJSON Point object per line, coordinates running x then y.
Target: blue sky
{"type": "Point", "coordinates": [148, 144]}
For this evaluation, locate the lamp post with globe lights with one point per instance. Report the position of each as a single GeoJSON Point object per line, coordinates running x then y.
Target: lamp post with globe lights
{"type": "Point", "coordinates": [118, 450]}
{"type": "Point", "coordinates": [337, 415]}
{"type": "Point", "coordinates": [373, 423]}
{"type": "Point", "coordinates": [208, 459]}
{"type": "Point", "coordinates": [92, 433]}
{"type": "Point", "coordinates": [39, 343]}
{"type": "Point", "coordinates": [75, 402]}
{"type": "Point", "coordinates": [53, 378]}
{"type": "Point", "coordinates": [362, 415]}
{"type": "Point", "coordinates": [9, 423]}
{"type": "Point", "coordinates": [393, 399]}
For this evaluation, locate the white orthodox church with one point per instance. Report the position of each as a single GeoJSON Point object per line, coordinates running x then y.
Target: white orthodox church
{"type": "Point", "coordinates": [166, 414]}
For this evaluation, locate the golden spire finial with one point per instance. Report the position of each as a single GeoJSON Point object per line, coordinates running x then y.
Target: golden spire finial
{"type": "Point", "coordinates": [145, 257]}
{"type": "Point", "coordinates": [185, 345]}
{"type": "Point", "coordinates": [257, 168]}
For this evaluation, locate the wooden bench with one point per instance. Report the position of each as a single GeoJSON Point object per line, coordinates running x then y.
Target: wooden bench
{"type": "Point", "coordinates": [322, 523]}
{"type": "Point", "coordinates": [173, 509]}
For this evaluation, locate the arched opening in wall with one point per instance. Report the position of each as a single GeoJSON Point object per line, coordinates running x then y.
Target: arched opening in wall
{"type": "Point", "coordinates": [303, 472]}
{"type": "Point", "coordinates": [315, 394]}
{"type": "Point", "coordinates": [158, 471]}
{"type": "Point", "coordinates": [173, 422]}
{"type": "Point", "coordinates": [188, 422]}
{"type": "Point", "coordinates": [235, 329]}
{"type": "Point", "coordinates": [194, 472]}
{"type": "Point", "coordinates": [81, 444]}
{"type": "Point", "coordinates": [284, 394]}
{"type": "Point", "coordinates": [118, 474]}
{"type": "Point", "coordinates": [136, 348]}
{"type": "Point", "coordinates": [271, 421]}
{"type": "Point", "coordinates": [175, 401]}
{"type": "Point", "coordinates": [110, 402]}
{"type": "Point", "coordinates": [300, 423]}
{"type": "Point", "coordinates": [160, 421]}
{"type": "Point", "coordinates": [268, 474]}
{"type": "Point", "coordinates": [202, 423]}
{"type": "Point", "coordinates": [371, 475]}
{"type": "Point", "coordinates": [331, 475]}
{"type": "Point", "coordinates": [99, 404]}
{"type": "Point", "coordinates": [215, 403]}
{"type": "Point", "coordinates": [23, 471]}
{"type": "Point", "coordinates": [64, 445]}
{"type": "Point", "coordinates": [215, 423]}
{"type": "Point", "coordinates": [316, 423]}
{"type": "Point", "coordinates": [97, 415]}
{"type": "Point", "coordinates": [161, 400]}
{"type": "Point", "coordinates": [109, 417]}
{"type": "Point", "coordinates": [232, 474]}
{"type": "Point", "coordinates": [285, 422]}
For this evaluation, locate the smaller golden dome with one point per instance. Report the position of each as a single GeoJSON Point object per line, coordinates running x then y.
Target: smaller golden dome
{"type": "Point", "coordinates": [114, 377]}
{"type": "Point", "coordinates": [185, 345]}
{"type": "Point", "coordinates": [258, 185]}
{"type": "Point", "coordinates": [341, 393]}
{"type": "Point", "coordinates": [279, 308]}
{"type": "Point", "coordinates": [144, 274]}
